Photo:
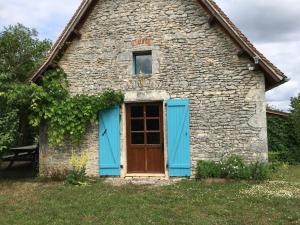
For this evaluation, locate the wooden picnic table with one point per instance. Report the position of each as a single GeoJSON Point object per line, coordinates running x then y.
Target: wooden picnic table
{"type": "Point", "coordinates": [24, 153]}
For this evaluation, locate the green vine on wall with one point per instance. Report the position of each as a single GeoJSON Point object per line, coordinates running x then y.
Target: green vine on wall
{"type": "Point", "coordinates": [67, 116]}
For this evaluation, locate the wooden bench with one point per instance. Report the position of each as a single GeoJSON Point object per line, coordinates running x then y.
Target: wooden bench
{"type": "Point", "coordinates": [24, 154]}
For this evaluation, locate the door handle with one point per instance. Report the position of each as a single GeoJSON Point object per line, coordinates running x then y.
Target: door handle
{"type": "Point", "coordinates": [104, 132]}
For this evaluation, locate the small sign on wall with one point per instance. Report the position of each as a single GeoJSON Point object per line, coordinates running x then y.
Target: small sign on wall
{"type": "Point", "coordinates": [141, 41]}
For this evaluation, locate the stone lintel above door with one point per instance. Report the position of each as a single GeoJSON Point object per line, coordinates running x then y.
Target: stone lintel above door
{"type": "Point", "coordinates": [146, 96]}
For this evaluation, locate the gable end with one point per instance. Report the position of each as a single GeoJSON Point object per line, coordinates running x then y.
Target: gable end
{"type": "Point", "coordinates": [273, 76]}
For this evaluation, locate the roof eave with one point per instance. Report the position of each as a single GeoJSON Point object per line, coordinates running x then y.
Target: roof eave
{"type": "Point", "coordinates": [278, 78]}
{"type": "Point", "coordinates": [277, 113]}
{"type": "Point", "coordinates": [64, 37]}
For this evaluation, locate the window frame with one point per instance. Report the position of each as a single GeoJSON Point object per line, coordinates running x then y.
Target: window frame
{"type": "Point", "coordinates": [142, 53]}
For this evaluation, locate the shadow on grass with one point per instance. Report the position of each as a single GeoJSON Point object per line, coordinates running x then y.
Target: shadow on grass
{"type": "Point", "coordinates": [19, 171]}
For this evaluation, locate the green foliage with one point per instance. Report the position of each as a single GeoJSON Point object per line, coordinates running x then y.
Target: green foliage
{"type": "Point", "coordinates": [18, 95]}
{"type": "Point", "coordinates": [67, 116]}
{"type": "Point", "coordinates": [276, 166]}
{"type": "Point", "coordinates": [283, 136]}
{"type": "Point", "coordinates": [184, 202]}
{"type": "Point", "coordinates": [15, 102]}
{"type": "Point", "coordinates": [234, 167]}
{"type": "Point", "coordinates": [20, 52]}
{"type": "Point", "coordinates": [274, 156]}
{"type": "Point", "coordinates": [8, 129]}
{"type": "Point", "coordinates": [295, 103]}
{"type": "Point", "coordinates": [77, 176]}
{"type": "Point", "coordinates": [261, 171]}
{"type": "Point", "coordinates": [206, 169]}
{"type": "Point", "coordinates": [282, 139]}
{"type": "Point", "coordinates": [279, 133]}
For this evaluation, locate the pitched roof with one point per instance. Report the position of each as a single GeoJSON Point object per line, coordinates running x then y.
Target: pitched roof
{"type": "Point", "coordinates": [273, 75]}
{"type": "Point", "coordinates": [271, 112]}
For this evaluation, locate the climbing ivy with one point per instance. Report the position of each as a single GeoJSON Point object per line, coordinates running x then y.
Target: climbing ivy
{"type": "Point", "coordinates": [67, 116]}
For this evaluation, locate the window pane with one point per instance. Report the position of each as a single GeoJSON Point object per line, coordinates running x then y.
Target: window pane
{"type": "Point", "coordinates": [137, 125]}
{"type": "Point", "coordinates": [152, 111]}
{"type": "Point", "coordinates": [143, 63]}
{"type": "Point", "coordinates": [153, 124]}
{"type": "Point", "coordinates": [137, 111]}
{"type": "Point", "coordinates": [153, 138]}
{"type": "Point", "coordinates": [137, 138]}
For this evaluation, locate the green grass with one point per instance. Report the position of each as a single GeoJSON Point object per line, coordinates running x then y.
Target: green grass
{"type": "Point", "coordinates": [289, 173]}
{"type": "Point", "coordinates": [187, 202]}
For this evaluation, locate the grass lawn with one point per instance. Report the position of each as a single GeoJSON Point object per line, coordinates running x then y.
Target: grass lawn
{"type": "Point", "coordinates": [187, 202]}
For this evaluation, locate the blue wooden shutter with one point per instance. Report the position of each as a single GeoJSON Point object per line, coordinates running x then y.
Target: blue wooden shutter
{"type": "Point", "coordinates": [178, 137]}
{"type": "Point", "coordinates": [109, 142]}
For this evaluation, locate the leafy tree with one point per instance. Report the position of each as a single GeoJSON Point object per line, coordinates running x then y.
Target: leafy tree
{"type": "Point", "coordinates": [284, 134]}
{"type": "Point", "coordinates": [282, 139]}
{"type": "Point", "coordinates": [295, 116]}
{"type": "Point", "coordinates": [50, 102]}
{"type": "Point", "coordinates": [20, 52]}
{"type": "Point", "coordinates": [8, 128]}
{"type": "Point", "coordinates": [295, 104]}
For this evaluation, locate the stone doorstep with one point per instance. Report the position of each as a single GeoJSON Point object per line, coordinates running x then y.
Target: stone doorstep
{"type": "Point", "coordinates": [145, 175]}
{"type": "Point", "coordinates": [161, 180]}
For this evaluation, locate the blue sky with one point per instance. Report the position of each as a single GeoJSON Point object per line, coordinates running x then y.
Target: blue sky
{"type": "Point", "coordinates": [272, 25]}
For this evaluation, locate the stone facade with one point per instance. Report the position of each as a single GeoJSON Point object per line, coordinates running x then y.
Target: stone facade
{"type": "Point", "coordinates": [191, 59]}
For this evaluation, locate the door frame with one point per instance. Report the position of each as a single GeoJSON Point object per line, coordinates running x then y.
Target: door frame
{"type": "Point", "coordinates": [124, 147]}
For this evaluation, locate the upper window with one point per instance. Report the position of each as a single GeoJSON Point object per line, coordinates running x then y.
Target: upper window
{"type": "Point", "coordinates": [142, 62]}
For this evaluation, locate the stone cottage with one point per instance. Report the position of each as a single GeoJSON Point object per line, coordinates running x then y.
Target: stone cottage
{"type": "Point", "coordinates": [194, 86]}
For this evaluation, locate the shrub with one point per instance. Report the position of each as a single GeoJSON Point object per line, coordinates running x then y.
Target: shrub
{"type": "Point", "coordinates": [274, 156]}
{"type": "Point", "coordinates": [206, 169]}
{"type": "Point", "coordinates": [77, 176]}
{"type": "Point", "coordinates": [276, 166]}
{"type": "Point", "coordinates": [293, 156]}
{"type": "Point", "coordinates": [260, 171]}
{"type": "Point", "coordinates": [235, 167]}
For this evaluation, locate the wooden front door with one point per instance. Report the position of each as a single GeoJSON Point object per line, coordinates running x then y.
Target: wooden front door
{"type": "Point", "coordinates": [145, 138]}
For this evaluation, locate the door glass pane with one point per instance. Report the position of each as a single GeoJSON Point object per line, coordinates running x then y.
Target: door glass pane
{"type": "Point", "coordinates": [152, 111]}
{"type": "Point", "coordinates": [153, 124]}
{"type": "Point", "coordinates": [137, 125]}
{"type": "Point", "coordinates": [153, 138]}
{"type": "Point", "coordinates": [137, 138]}
{"type": "Point", "coordinates": [137, 111]}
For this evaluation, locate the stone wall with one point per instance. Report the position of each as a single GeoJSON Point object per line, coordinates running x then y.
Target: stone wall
{"type": "Point", "coordinates": [191, 59]}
